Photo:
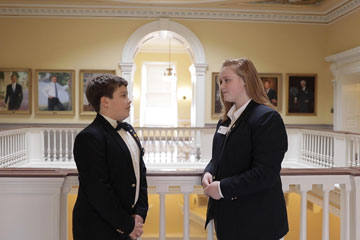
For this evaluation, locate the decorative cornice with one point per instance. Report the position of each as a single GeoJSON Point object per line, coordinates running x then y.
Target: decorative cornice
{"type": "Point", "coordinates": [36, 10]}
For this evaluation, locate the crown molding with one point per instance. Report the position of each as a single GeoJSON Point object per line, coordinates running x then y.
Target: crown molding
{"type": "Point", "coordinates": [41, 10]}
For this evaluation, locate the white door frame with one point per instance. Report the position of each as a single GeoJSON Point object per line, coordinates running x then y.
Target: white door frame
{"type": "Point", "coordinates": [196, 51]}
{"type": "Point", "coordinates": [343, 65]}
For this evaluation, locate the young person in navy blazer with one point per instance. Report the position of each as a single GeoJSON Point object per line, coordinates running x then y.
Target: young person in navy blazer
{"type": "Point", "coordinates": [242, 179]}
{"type": "Point", "coordinates": [112, 200]}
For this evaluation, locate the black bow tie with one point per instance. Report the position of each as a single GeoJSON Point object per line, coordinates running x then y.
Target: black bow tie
{"type": "Point", "coordinates": [122, 125]}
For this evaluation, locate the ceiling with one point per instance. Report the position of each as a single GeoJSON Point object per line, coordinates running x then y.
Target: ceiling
{"type": "Point", "coordinates": [302, 11]}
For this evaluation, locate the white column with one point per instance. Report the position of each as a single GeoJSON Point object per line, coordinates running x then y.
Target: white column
{"type": "Point", "coordinates": [304, 188]}
{"type": "Point", "coordinates": [325, 224]}
{"type": "Point", "coordinates": [356, 204]}
{"type": "Point", "coordinates": [127, 70]}
{"type": "Point", "coordinates": [186, 190]}
{"type": "Point", "coordinates": [161, 190]}
{"type": "Point", "coordinates": [345, 212]}
{"type": "Point", "coordinates": [199, 94]}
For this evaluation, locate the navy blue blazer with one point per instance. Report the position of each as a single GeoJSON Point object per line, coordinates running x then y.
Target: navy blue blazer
{"type": "Point", "coordinates": [247, 162]}
{"type": "Point", "coordinates": [107, 185]}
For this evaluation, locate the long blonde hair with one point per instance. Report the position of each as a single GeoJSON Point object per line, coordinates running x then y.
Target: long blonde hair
{"type": "Point", "coordinates": [244, 68]}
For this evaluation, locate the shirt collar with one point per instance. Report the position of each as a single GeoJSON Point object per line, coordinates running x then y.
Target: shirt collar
{"type": "Point", "coordinates": [110, 120]}
{"type": "Point", "coordinates": [234, 114]}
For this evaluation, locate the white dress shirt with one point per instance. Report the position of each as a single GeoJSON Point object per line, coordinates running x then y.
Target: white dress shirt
{"type": "Point", "coordinates": [49, 89]}
{"type": "Point", "coordinates": [13, 86]}
{"type": "Point", "coordinates": [234, 114]}
{"type": "Point", "coordinates": [134, 152]}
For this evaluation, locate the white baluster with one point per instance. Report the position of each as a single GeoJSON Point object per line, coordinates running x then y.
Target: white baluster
{"type": "Point", "coordinates": [210, 230]}
{"type": "Point", "coordinates": [186, 190]}
{"type": "Point", "coordinates": [61, 157]}
{"type": "Point", "coordinates": [161, 191]}
{"type": "Point", "coordinates": [303, 216]}
{"type": "Point", "coordinates": [66, 145]}
{"type": "Point", "coordinates": [49, 146]}
{"type": "Point", "coordinates": [325, 224]}
{"type": "Point", "coordinates": [345, 211]}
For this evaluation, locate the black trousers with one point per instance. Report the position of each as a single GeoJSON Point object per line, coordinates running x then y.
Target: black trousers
{"type": "Point", "coordinates": [55, 104]}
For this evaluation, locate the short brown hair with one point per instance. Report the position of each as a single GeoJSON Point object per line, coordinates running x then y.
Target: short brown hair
{"type": "Point", "coordinates": [103, 86]}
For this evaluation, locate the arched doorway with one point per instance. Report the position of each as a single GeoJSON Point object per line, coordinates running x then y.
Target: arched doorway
{"type": "Point", "coordinates": [195, 49]}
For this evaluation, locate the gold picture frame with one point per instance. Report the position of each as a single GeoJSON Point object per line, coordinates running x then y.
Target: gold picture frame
{"type": "Point", "coordinates": [15, 91]}
{"type": "Point", "coordinates": [216, 105]}
{"type": "Point", "coordinates": [273, 87]}
{"type": "Point", "coordinates": [301, 94]}
{"type": "Point", "coordinates": [84, 77]}
{"type": "Point", "coordinates": [54, 92]}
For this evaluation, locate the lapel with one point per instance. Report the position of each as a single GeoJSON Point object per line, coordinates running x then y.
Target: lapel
{"type": "Point", "coordinates": [243, 117]}
{"type": "Point", "coordinates": [112, 132]}
{"type": "Point", "coordinates": [137, 140]}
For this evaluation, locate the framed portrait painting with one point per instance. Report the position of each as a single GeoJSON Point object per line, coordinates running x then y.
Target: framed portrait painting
{"type": "Point", "coordinates": [85, 76]}
{"type": "Point", "coordinates": [15, 91]}
{"type": "Point", "coordinates": [272, 84]}
{"type": "Point", "coordinates": [301, 94]}
{"type": "Point", "coordinates": [215, 96]}
{"type": "Point", "coordinates": [54, 92]}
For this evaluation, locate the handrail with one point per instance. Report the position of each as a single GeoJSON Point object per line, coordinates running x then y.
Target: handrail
{"type": "Point", "coordinates": [61, 172]}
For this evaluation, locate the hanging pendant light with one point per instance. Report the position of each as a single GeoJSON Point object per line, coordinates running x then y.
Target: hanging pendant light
{"type": "Point", "coordinates": [169, 73]}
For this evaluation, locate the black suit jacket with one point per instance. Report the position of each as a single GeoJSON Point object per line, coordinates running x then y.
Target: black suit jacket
{"type": "Point", "coordinates": [15, 98]}
{"type": "Point", "coordinates": [247, 162]}
{"type": "Point", "coordinates": [107, 185]}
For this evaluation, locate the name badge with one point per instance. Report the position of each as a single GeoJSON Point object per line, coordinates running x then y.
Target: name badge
{"type": "Point", "coordinates": [223, 130]}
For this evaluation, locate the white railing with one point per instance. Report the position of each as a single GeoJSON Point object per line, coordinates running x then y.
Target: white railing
{"type": "Point", "coordinates": [13, 147]}
{"type": "Point", "coordinates": [42, 197]}
{"type": "Point", "coordinates": [175, 147]}
{"type": "Point", "coordinates": [317, 148]}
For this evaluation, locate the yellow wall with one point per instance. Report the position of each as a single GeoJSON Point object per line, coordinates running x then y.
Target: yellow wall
{"type": "Point", "coordinates": [344, 33]}
{"type": "Point", "coordinates": [174, 217]}
{"type": "Point", "coordinates": [182, 62]}
{"type": "Point", "coordinates": [66, 43]}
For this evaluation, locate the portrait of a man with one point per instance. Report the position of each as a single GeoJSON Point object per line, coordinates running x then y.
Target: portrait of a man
{"type": "Point", "coordinates": [272, 87]}
{"type": "Point", "coordinates": [14, 90]}
{"type": "Point", "coordinates": [302, 97]}
{"type": "Point", "coordinates": [55, 91]}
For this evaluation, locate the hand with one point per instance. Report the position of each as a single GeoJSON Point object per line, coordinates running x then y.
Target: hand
{"type": "Point", "coordinates": [212, 190]}
{"type": "Point", "coordinates": [138, 218]}
{"type": "Point", "coordinates": [137, 231]}
{"type": "Point", "coordinates": [207, 179]}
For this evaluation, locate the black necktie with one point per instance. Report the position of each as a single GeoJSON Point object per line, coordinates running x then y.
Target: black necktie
{"type": "Point", "coordinates": [122, 125]}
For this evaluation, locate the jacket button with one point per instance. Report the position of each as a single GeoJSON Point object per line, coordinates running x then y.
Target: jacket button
{"type": "Point", "coordinates": [213, 177]}
{"type": "Point", "coordinates": [133, 185]}
{"type": "Point", "coordinates": [119, 231]}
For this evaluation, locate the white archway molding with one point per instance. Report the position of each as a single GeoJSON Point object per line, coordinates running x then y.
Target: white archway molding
{"type": "Point", "coordinates": [345, 66]}
{"type": "Point", "coordinates": [195, 49]}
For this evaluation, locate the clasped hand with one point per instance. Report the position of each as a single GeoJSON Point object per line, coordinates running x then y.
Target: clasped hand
{"type": "Point", "coordinates": [211, 188]}
{"type": "Point", "coordinates": [138, 227]}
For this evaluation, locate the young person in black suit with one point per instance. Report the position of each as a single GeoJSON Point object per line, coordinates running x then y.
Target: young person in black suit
{"type": "Point", "coordinates": [14, 93]}
{"type": "Point", "coordinates": [112, 200]}
{"type": "Point", "coordinates": [242, 179]}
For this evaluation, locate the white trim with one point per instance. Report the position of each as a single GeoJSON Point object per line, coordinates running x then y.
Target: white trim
{"type": "Point", "coordinates": [344, 64]}
{"type": "Point", "coordinates": [63, 10]}
{"type": "Point", "coordinates": [195, 50]}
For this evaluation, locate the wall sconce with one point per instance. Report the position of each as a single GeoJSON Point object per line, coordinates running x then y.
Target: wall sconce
{"type": "Point", "coordinates": [184, 93]}
{"type": "Point", "coordinates": [136, 94]}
